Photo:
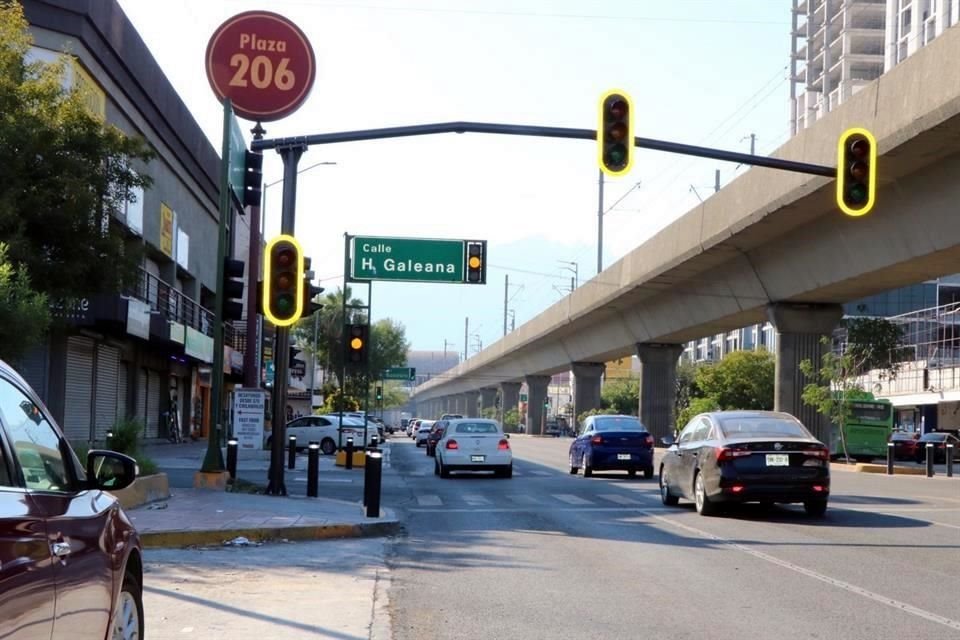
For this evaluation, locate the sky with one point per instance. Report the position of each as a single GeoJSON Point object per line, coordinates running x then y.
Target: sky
{"type": "Point", "coordinates": [707, 72]}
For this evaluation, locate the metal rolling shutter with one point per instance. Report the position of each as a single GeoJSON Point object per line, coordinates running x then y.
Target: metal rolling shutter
{"type": "Point", "coordinates": [34, 370]}
{"type": "Point", "coordinates": [142, 396]}
{"type": "Point", "coordinates": [122, 390]}
{"type": "Point", "coordinates": [107, 381]}
{"type": "Point", "coordinates": [78, 403]}
{"type": "Point", "coordinates": [153, 406]}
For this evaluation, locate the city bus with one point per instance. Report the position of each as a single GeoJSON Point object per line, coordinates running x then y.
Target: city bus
{"type": "Point", "coordinates": [867, 431]}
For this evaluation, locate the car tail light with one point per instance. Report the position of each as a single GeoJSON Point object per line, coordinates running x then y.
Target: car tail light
{"type": "Point", "coordinates": [818, 488]}
{"type": "Point", "coordinates": [452, 444]}
{"type": "Point", "coordinates": [737, 488]}
{"type": "Point", "coordinates": [648, 440]}
{"type": "Point", "coordinates": [817, 452]}
{"type": "Point", "coordinates": [503, 445]}
{"type": "Point", "coordinates": [729, 453]}
{"type": "Point", "coordinates": [596, 440]}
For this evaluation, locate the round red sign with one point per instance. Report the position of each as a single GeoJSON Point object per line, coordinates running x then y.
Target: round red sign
{"type": "Point", "coordinates": [263, 63]}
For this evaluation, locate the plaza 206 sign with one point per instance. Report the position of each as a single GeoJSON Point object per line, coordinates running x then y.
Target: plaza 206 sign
{"type": "Point", "coordinates": [263, 63]}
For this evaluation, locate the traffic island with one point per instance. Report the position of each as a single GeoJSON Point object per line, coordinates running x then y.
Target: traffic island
{"type": "Point", "coordinates": [869, 467]}
{"type": "Point", "coordinates": [213, 480]}
{"type": "Point", "coordinates": [144, 490]}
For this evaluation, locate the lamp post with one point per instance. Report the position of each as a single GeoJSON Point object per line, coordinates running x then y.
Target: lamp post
{"type": "Point", "coordinates": [602, 212]}
{"type": "Point", "coordinates": [263, 207]}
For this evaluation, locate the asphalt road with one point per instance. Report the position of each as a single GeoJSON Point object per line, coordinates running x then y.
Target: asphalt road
{"type": "Point", "coordinates": [549, 555]}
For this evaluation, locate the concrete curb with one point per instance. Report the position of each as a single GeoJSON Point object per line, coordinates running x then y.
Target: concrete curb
{"type": "Point", "coordinates": [144, 490]}
{"type": "Point", "coordinates": [864, 467]}
{"type": "Point", "coordinates": [208, 537]}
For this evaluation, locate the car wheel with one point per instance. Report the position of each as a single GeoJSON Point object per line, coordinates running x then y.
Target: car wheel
{"type": "Point", "coordinates": [632, 473]}
{"type": "Point", "coordinates": [665, 496]}
{"type": "Point", "coordinates": [436, 467]}
{"type": "Point", "coordinates": [648, 473]}
{"type": "Point", "coordinates": [816, 508]}
{"type": "Point", "coordinates": [128, 617]}
{"type": "Point", "coordinates": [704, 506]}
{"type": "Point", "coordinates": [587, 469]}
{"type": "Point", "coordinates": [573, 467]}
{"type": "Point", "coordinates": [508, 472]}
{"type": "Point", "coordinates": [328, 446]}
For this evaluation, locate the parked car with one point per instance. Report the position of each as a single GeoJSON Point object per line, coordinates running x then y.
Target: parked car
{"type": "Point", "coordinates": [939, 440]}
{"type": "Point", "coordinates": [612, 443]}
{"type": "Point", "coordinates": [70, 559]}
{"type": "Point", "coordinates": [904, 445]}
{"type": "Point", "coordinates": [472, 444]}
{"type": "Point", "coordinates": [323, 429]}
{"type": "Point", "coordinates": [745, 456]}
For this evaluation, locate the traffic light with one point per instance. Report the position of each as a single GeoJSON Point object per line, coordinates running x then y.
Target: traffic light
{"type": "Point", "coordinates": [856, 172]}
{"type": "Point", "coordinates": [615, 133]}
{"type": "Point", "coordinates": [476, 266]}
{"type": "Point", "coordinates": [283, 281]}
{"type": "Point", "coordinates": [357, 343]}
{"type": "Point", "coordinates": [252, 178]}
{"type": "Point", "coordinates": [379, 393]}
{"type": "Point", "coordinates": [232, 289]}
{"type": "Point", "coordinates": [310, 291]}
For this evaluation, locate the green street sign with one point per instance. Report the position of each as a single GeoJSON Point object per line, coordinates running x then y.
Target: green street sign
{"type": "Point", "coordinates": [410, 259]}
{"type": "Point", "coordinates": [400, 373]}
{"type": "Point", "coordinates": [238, 162]}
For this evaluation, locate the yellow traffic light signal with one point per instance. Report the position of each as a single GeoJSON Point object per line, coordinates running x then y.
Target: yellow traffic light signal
{"type": "Point", "coordinates": [357, 349]}
{"type": "Point", "coordinates": [476, 263]}
{"type": "Point", "coordinates": [283, 282]}
{"type": "Point", "coordinates": [856, 172]}
{"type": "Point", "coordinates": [615, 133]}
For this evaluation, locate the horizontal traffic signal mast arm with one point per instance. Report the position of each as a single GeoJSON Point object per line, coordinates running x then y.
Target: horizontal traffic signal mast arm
{"type": "Point", "coordinates": [541, 132]}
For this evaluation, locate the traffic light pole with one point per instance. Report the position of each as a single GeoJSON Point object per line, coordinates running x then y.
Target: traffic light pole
{"type": "Point", "coordinates": [290, 154]}
{"type": "Point", "coordinates": [541, 132]}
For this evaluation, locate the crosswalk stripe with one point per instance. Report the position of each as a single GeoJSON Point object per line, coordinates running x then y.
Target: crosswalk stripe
{"type": "Point", "coordinates": [613, 497]}
{"type": "Point", "coordinates": [429, 501]}
{"type": "Point", "coordinates": [570, 498]}
{"type": "Point", "coordinates": [522, 498]}
{"type": "Point", "coordinates": [475, 499]}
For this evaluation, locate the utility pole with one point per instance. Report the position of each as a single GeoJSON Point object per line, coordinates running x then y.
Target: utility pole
{"type": "Point", "coordinates": [716, 181]}
{"type": "Point", "coordinates": [600, 223]}
{"type": "Point", "coordinates": [513, 319]}
{"type": "Point", "coordinates": [313, 358]}
{"type": "Point", "coordinates": [753, 142]}
{"type": "Point", "coordinates": [506, 288]}
{"type": "Point", "coordinates": [466, 338]}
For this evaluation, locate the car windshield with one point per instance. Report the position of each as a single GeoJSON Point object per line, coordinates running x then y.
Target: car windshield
{"type": "Point", "coordinates": [618, 423]}
{"type": "Point", "coordinates": [761, 427]}
{"type": "Point", "coordinates": [477, 427]}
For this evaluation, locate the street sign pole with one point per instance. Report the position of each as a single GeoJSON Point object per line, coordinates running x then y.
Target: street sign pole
{"type": "Point", "coordinates": [281, 352]}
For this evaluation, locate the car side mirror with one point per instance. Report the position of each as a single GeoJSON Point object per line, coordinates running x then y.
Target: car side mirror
{"type": "Point", "coordinates": [668, 441]}
{"type": "Point", "coordinates": [507, 436]}
{"type": "Point", "coordinates": [109, 470]}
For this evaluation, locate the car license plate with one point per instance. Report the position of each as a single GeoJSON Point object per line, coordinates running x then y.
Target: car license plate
{"type": "Point", "coordinates": [778, 460]}
{"type": "Point", "coordinates": [623, 456]}
{"type": "Point", "coordinates": [477, 458]}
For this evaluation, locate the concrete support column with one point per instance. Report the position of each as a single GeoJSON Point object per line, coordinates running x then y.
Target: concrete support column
{"type": "Point", "coordinates": [488, 399]}
{"type": "Point", "coordinates": [587, 381]}
{"type": "Point", "coordinates": [658, 386]}
{"type": "Point", "coordinates": [509, 397]}
{"type": "Point", "coordinates": [448, 405]}
{"type": "Point", "coordinates": [460, 404]}
{"type": "Point", "coordinates": [536, 396]}
{"type": "Point", "coordinates": [473, 401]}
{"type": "Point", "coordinates": [800, 330]}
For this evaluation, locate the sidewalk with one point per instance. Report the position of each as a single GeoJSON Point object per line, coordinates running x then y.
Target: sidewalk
{"type": "Point", "coordinates": [205, 517]}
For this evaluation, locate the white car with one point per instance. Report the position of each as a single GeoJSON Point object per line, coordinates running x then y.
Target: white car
{"type": "Point", "coordinates": [474, 444]}
{"type": "Point", "coordinates": [323, 429]}
{"type": "Point", "coordinates": [423, 430]}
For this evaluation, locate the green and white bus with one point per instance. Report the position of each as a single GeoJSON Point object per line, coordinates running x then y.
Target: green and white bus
{"type": "Point", "coordinates": [867, 431]}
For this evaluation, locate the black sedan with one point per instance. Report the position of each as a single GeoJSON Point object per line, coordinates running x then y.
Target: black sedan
{"type": "Point", "coordinates": [745, 456]}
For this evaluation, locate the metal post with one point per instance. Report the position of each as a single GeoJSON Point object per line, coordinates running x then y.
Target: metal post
{"type": "Point", "coordinates": [108, 442]}
{"type": "Point", "coordinates": [466, 338]}
{"type": "Point", "coordinates": [232, 446]}
{"type": "Point", "coordinates": [349, 462]}
{"type": "Point", "coordinates": [371, 484]}
{"type": "Point", "coordinates": [292, 452]}
{"type": "Point", "coordinates": [949, 460]}
{"type": "Point", "coordinates": [930, 470]}
{"type": "Point", "coordinates": [281, 355]}
{"type": "Point", "coordinates": [251, 363]}
{"type": "Point", "coordinates": [600, 223]}
{"type": "Point", "coordinates": [374, 442]}
{"type": "Point", "coordinates": [313, 358]}
{"type": "Point", "coordinates": [716, 181]}
{"type": "Point", "coordinates": [343, 334]}
{"type": "Point", "coordinates": [313, 469]}
{"type": "Point", "coordinates": [889, 458]}
{"type": "Point", "coordinates": [506, 287]}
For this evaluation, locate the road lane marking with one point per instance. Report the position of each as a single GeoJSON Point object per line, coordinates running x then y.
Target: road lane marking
{"type": "Point", "coordinates": [475, 499]}
{"type": "Point", "coordinates": [429, 501]}
{"type": "Point", "coordinates": [840, 584]}
{"type": "Point", "coordinates": [537, 472]}
{"type": "Point", "coordinates": [569, 498]}
{"type": "Point", "coordinates": [522, 498]}
{"type": "Point", "coordinates": [614, 497]}
{"type": "Point", "coordinates": [544, 509]}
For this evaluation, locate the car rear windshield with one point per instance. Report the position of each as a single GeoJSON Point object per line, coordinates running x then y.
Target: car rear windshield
{"type": "Point", "coordinates": [934, 437]}
{"type": "Point", "coordinates": [618, 424]}
{"type": "Point", "coordinates": [902, 436]}
{"type": "Point", "coordinates": [762, 427]}
{"type": "Point", "coordinates": [477, 427]}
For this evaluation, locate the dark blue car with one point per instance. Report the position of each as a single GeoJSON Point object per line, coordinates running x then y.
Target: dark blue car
{"type": "Point", "coordinates": [612, 443]}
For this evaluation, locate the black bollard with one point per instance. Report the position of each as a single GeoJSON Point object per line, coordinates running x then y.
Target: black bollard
{"type": "Point", "coordinates": [108, 443]}
{"type": "Point", "coordinates": [232, 446]}
{"type": "Point", "coordinates": [313, 469]}
{"type": "Point", "coordinates": [371, 483]}
{"type": "Point", "coordinates": [889, 458]}
{"type": "Point", "coordinates": [929, 460]}
{"type": "Point", "coordinates": [949, 460]}
{"type": "Point", "coordinates": [349, 463]}
{"type": "Point", "coordinates": [291, 452]}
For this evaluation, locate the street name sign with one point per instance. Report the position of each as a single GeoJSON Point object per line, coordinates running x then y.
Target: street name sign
{"type": "Point", "coordinates": [408, 259]}
{"type": "Point", "coordinates": [400, 373]}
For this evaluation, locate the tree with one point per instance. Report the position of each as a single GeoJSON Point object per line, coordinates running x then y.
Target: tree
{"type": "Point", "coordinates": [388, 345]}
{"type": "Point", "coordinates": [741, 380]}
{"type": "Point", "coordinates": [686, 388]}
{"type": "Point", "coordinates": [24, 313]}
{"type": "Point", "coordinates": [872, 344]}
{"type": "Point", "coordinates": [511, 418]}
{"type": "Point", "coordinates": [621, 395]}
{"type": "Point", "coordinates": [66, 176]}
{"type": "Point", "coordinates": [695, 407]}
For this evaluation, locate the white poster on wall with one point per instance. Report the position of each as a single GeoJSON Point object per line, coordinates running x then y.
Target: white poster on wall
{"type": "Point", "coordinates": [248, 407]}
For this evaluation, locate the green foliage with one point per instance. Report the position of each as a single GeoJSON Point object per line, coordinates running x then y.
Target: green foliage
{"type": "Point", "coordinates": [621, 396]}
{"type": "Point", "coordinates": [686, 387]}
{"type": "Point", "coordinates": [875, 343]}
{"type": "Point", "coordinates": [742, 380]}
{"type": "Point", "coordinates": [489, 412]}
{"type": "Point", "coordinates": [511, 418]}
{"type": "Point", "coordinates": [128, 439]}
{"type": "Point", "coordinates": [24, 313]}
{"type": "Point", "coordinates": [66, 176]}
{"type": "Point", "coordinates": [594, 412]}
{"type": "Point", "coordinates": [695, 407]}
{"type": "Point", "coordinates": [335, 401]}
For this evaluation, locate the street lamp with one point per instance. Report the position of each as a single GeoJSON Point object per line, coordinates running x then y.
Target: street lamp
{"type": "Point", "coordinates": [573, 268]}
{"type": "Point", "coordinates": [602, 212]}
{"type": "Point", "coordinates": [263, 206]}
